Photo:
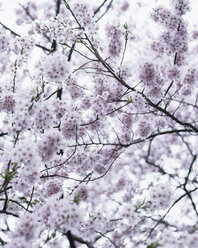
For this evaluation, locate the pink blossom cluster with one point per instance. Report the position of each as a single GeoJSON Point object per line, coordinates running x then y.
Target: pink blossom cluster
{"type": "Point", "coordinates": [74, 89]}
{"type": "Point", "coordinates": [114, 35]}
{"type": "Point", "coordinates": [182, 240]}
{"type": "Point", "coordinates": [4, 41]}
{"type": "Point", "coordinates": [175, 37]}
{"type": "Point", "coordinates": [58, 29]}
{"type": "Point", "coordinates": [27, 162]}
{"type": "Point", "coordinates": [44, 116]}
{"type": "Point", "coordinates": [62, 215]}
{"type": "Point", "coordinates": [7, 103]}
{"type": "Point", "coordinates": [56, 68]}
{"type": "Point", "coordinates": [53, 187]}
{"type": "Point", "coordinates": [181, 7]}
{"type": "Point", "coordinates": [48, 145]}
{"type": "Point", "coordinates": [83, 13]}
{"type": "Point", "coordinates": [160, 197]}
{"type": "Point", "coordinates": [69, 125]}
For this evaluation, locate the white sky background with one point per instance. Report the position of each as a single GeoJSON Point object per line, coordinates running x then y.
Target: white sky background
{"type": "Point", "coordinates": [140, 11]}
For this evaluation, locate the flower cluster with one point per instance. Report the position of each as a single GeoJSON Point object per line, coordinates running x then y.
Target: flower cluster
{"type": "Point", "coordinates": [21, 13]}
{"type": "Point", "coordinates": [181, 7]}
{"type": "Point", "coordinates": [56, 68]}
{"type": "Point", "coordinates": [21, 115]}
{"type": "Point", "coordinates": [61, 215]}
{"type": "Point", "coordinates": [182, 240]}
{"type": "Point", "coordinates": [173, 72]}
{"type": "Point", "coordinates": [147, 73]}
{"type": "Point", "coordinates": [102, 84]}
{"type": "Point", "coordinates": [160, 197]}
{"type": "Point", "coordinates": [127, 120]}
{"type": "Point", "coordinates": [125, 6]}
{"type": "Point", "coordinates": [100, 105]}
{"type": "Point", "coordinates": [124, 72]}
{"type": "Point", "coordinates": [7, 103]}
{"type": "Point", "coordinates": [24, 152]}
{"type": "Point", "coordinates": [177, 41]}
{"type": "Point", "coordinates": [60, 108]}
{"type": "Point", "coordinates": [44, 116]}
{"type": "Point", "coordinates": [23, 45]}
{"type": "Point", "coordinates": [59, 29]}
{"type": "Point", "coordinates": [52, 187]}
{"type": "Point", "coordinates": [174, 39]}
{"type": "Point", "coordinates": [83, 14]}
{"type": "Point", "coordinates": [18, 242]}
{"type": "Point", "coordinates": [191, 77]}
{"type": "Point", "coordinates": [74, 89]}
{"type": "Point", "coordinates": [4, 41]}
{"type": "Point", "coordinates": [48, 145]}
{"type": "Point", "coordinates": [26, 159]}
{"type": "Point", "coordinates": [166, 18]}
{"type": "Point", "coordinates": [27, 227]}
{"type": "Point", "coordinates": [69, 124]}
{"type": "Point", "coordinates": [26, 232]}
{"type": "Point", "coordinates": [114, 35]}
{"type": "Point", "coordinates": [144, 128]}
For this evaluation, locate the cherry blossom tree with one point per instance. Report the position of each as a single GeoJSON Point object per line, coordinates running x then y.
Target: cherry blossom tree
{"type": "Point", "coordinates": [98, 139]}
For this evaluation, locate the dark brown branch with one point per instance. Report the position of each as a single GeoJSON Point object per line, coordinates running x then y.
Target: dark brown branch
{"type": "Point", "coordinates": [189, 171]}
{"type": "Point", "coordinates": [15, 34]}
{"type": "Point", "coordinates": [107, 9]}
{"type": "Point", "coordinates": [191, 199]}
{"type": "Point", "coordinates": [2, 241]}
{"type": "Point", "coordinates": [82, 241]}
{"type": "Point", "coordinates": [54, 43]}
{"type": "Point", "coordinates": [98, 9]}
{"type": "Point", "coordinates": [169, 88]}
{"type": "Point", "coordinates": [125, 46]}
{"type": "Point", "coordinates": [8, 213]}
{"type": "Point", "coordinates": [71, 51]}
{"type": "Point", "coordinates": [160, 169]}
{"type": "Point", "coordinates": [108, 239]}
{"type": "Point", "coordinates": [3, 134]}
{"type": "Point", "coordinates": [71, 239]}
{"type": "Point", "coordinates": [59, 93]}
{"type": "Point", "coordinates": [31, 197]}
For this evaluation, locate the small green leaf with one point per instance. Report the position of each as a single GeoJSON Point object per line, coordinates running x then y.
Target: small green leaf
{"type": "Point", "coordinates": [153, 245]}
{"type": "Point", "coordinates": [7, 202]}
{"type": "Point", "coordinates": [125, 26]}
{"type": "Point", "coordinates": [129, 99]}
{"type": "Point", "coordinates": [25, 200]}
{"type": "Point", "coordinates": [77, 199]}
{"type": "Point", "coordinates": [8, 175]}
{"type": "Point", "coordinates": [15, 165]}
{"type": "Point", "coordinates": [54, 234]}
{"type": "Point", "coordinates": [35, 201]}
{"type": "Point", "coordinates": [2, 176]}
{"type": "Point", "coordinates": [138, 205]}
{"type": "Point", "coordinates": [22, 51]}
